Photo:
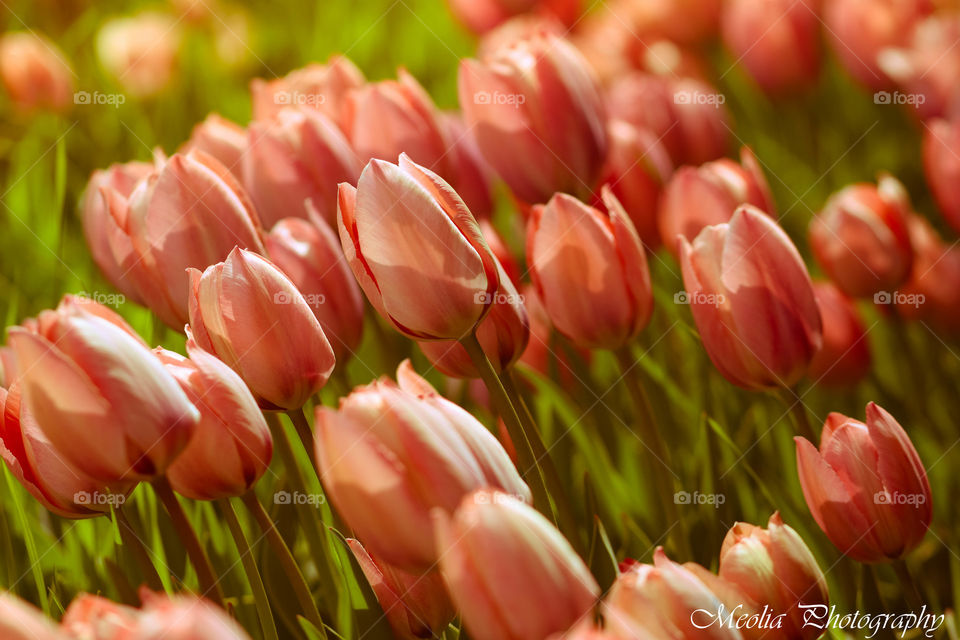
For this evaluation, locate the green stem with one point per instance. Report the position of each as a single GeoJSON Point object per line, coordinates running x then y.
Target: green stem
{"type": "Point", "coordinates": [911, 594]}
{"type": "Point", "coordinates": [132, 541]}
{"type": "Point", "coordinates": [287, 561]}
{"type": "Point", "coordinates": [264, 612]}
{"type": "Point", "coordinates": [299, 420]}
{"type": "Point", "coordinates": [791, 400]}
{"type": "Point", "coordinates": [209, 583]}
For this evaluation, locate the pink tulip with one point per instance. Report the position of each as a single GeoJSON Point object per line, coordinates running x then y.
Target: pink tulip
{"type": "Point", "coordinates": [297, 155]}
{"type": "Point", "coordinates": [232, 445]}
{"type": "Point", "coordinates": [481, 16]}
{"type": "Point", "coordinates": [752, 301]}
{"type": "Point", "coordinates": [141, 52]}
{"type": "Point", "coordinates": [391, 453]}
{"type": "Point", "coordinates": [509, 571]}
{"type": "Point", "coordinates": [774, 568]}
{"type": "Point", "coordinates": [930, 294]}
{"type": "Point", "coordinates": [224, 140]}
{"type": "Point", "coordinates": [319, 86]}
{"type": "Point", "coordinates": [537, 115]}
{"type": "Point", "coordinates": [472, 175]}
{"type": "Point", "coordinates": [311, 256]}
{"type": "Point", "coordinates": [416, 605]}
{"type": "Point", "coordinates": [416, 251]}
{"type": "Point", "coordinates": [189, 213]}
{"type": "Point", "coordinates": [96, 618]}
{"type": "Point", "coordinates": [250, 315]}
{"type": "Point", "coordinates": [585, 631]}
{"type": "Point", "coordinates": [99, 395]}
{"type": "Point", "coordinates": [941, 139]}
{"type": "Point", "coordinates": [844, 358]}
{"type": "Point", "coordinates": [517, 29]}
{"type": "Point", "coordinates": [542, 353]}
{"type": "Point", "coordinates": [184, 618]}
{"type": "Point", "coordinates": [590, 271]}
{"type": "Point", "coordinates": [866, 487]}
{"type": "Point", "coordinates": [697, 197]}
{"type": "Point", "coordinates": [35, 73]}
{"type": "Point", "coordinates": [776, 41]}
{"type": "Point", "coordinates": [8, 367]}
{"type": "Point", "coordinates": [20, 620]}
{"type": "Point", "coordinates": [686, 22]}
{"type": "Point", "coordinates": [861, 238]}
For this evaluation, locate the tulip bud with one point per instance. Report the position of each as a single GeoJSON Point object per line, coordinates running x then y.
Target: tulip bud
{"type": "Point", "coordinates": [509, 571]}
{"type": "Point", "coordinates": [775, 568]}
{"type": "Point", "coordinates": [232, 445]}
{"type": "Point", "coordinates": [20, 620]}
{"type": "Point", "coordinates": [224, 140]}
{"type": "Point", "coordinates": [590, 271]}
{"type": "Point", "coordinates": [416, 605]}
{"type": "Point", "coordinates": [416, 251]}
{"type": "Point", "coordinates": [941, 139]}
{"type": "Point", "coordinates": [861, 238]}
{"type": "Point", "coordinates": [930, 294]}
{"type": "Point", "coordinates": [99, 396]}
{"type": "Point", "coordinates": [866, 487]}
{"type": "Point", "coordinates": [35, 72]}
{"type": "Point", "coordinates": [184, 618]}
{"type": "Point", "coordinates": [538, 117]}
{"type": "Point", "coordinates": [777, 41]}
{"type": "Point", "coordinates": [697, 197]}
{"type": "Point", "coordinates": [481, 16]}
{"type": "Point", "coordinates": [752, 301]}
{"type": "Point", "coordinates": [250, 315]}
{"type": "Point", "coordinates": [319, 86]}
{"type": "Point", "coordinates": [298, 155]}
{"type": "Point", "coordinates": [844, 358]}
{"type": "Point", "coordinates": [96, 618]}
{"type": "Point", "coordinates": [392, 453]}
{"type": "Point", "coordinates": [472, 176]}
{"type": "Point", "coordinates": [311, 256]}
{"type": "Point", "coordinates": [140, 52]}
{"type": "Point", "coordinates": [686, 22]}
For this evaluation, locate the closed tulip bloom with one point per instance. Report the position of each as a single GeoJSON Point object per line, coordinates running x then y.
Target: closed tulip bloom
{"type": "Point", "coordinates": [697, 197]}
{"type": "Point", "coordinates": [416, 251]}
{"type": "Point", "coordinates": [309, 253]}
{"type": "Point", "coordinates": [318, 86]}
{"type": "Point", "coordinates": [92, 617]}
{"type": "Point", "coordinates": [776, 41]}
{"type": "Point", "coordinates": [590, 271]}
{"type": "Point", "coordinates": [20, 620]}
{"type": "Point", "coordinates": [224, 140]}
{"type": "Point", "coordinates": [866, 486]}
{"type": "Point", "coordinates": [391, 453]}
{"type": "Point", "coordinates": [250, 315]}
{"type": "Point", "coordinates": [930, 294]}
{"type": "Point", "coordinates": [686, 22]}
{"type": "Point", "coordinates": [537, 115]}
{"type": "Point", "coordinates": [140, 52]}
{"type": "Point", "coordinates": [752, 301]}
{"type": "Point", "coordinates": [844, 358]}
{"type": "Point", "coordinates": [941, 139]}
{"type": "Point", "coordinates": [512, 575]}
{"type": "Point", "coordinates": [35, 72]}
{"type": "Point", "coordinates": [861, 238]}
{"type": "Point", "coordinates": [100, 397]}
{"type": "Point", "coordinates": [775, 568]}
{"type": "Point", "coordinates": [471, 175]}
{"type": "Point", "coordinates": [480, 16]}
{"type": "Point", "coordinates": [298, 155]}
{"type": "Point", "coordinates": [416, 605]}
{"type": "Point", "coordinates": [232, 445]}
{"type": "Point", "coordinates": [184, 618]}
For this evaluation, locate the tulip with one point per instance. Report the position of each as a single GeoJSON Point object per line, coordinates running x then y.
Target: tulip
{"type": "Point", "coordinates": [537, 115]}
{"type": "Point", "coordinates": [697, 197]}
{"type": "Point", "coordinates": [590, 271]}
{"type": "Point", "coordinates": [184, 618]}
{"type": "Point", "coordinates": [250, 315]}
{"type": "Point", "coordinates": [844, 358]}
{"type": "Point", "coordinates": [416, 251]}
{"type": "Point", "coordinates": [501, 251]}
{"type": "Point", "coordinates": [686, 22]}
{"type": "Point", "coordinates": [541, 353]}
{"type": "Point", "coordinates": [866, 487]}
{"type": "Point", "coordinates": [224, 140]}
{"type": "Point", "coordinates": [35, 72]}
{"type": "Point", "coordinates": [311, 256]}
{"type": "Point", "coordinates": [8, 367]}
{"type": "Point", "coordinates": [517, 29]}
{"type": "Point", "coordinates": [687, 115]}
{"type": "Point", "coordinates": [96, 618]}
{"type": "Point", "coordinates": [480, 16]}
{"type": "Point", "coordinates": [585, 631]}
{"type": "Point", "coordinates": [509, 571]}
{"type": "Point", "coordinates": [471, 175]}
{"type": "Point", "coordinates": [752, 301]}
{"type": "Point", "coordinates": [232, 445]}
{"type": "Point", "coordinates": [930, 294]}
{"type": "Point", "coordinates": [319, 86]}
{"type": "Point", "coordinates": [416, 605]}
{"type": "Point", "coordinates": [20, 620]}
{"type": "Point", "coordinates": [384, 119]}
{"type": "Point", "coordinates": [662, 600]}
{"type": "Point", "coordinates": [941, 139]}
{"type": "Point", "coordinates": [861, 238]}
{"type": "Point", "coordinates": [100, 397]}
{"type": "Point", "coordinates": [776, 41]}
{"type": "Point", "coordinates": [393, 452]}
{"type": "Point", "coordinates": [300, 154]}
{"type": "Point", "coordinates": [140, 52]}
{"type": "Point", "coordinates": [775, 568]}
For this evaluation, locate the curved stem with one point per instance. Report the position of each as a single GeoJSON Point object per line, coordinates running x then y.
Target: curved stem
{"type": "Point", "coordinates": [287, 561]}
{"type": "Point", "coordinates": [209, 582]}
{"type": "Point", "coordinates": [264, 612]}
{"type": "Point", "coordinates": [299, 420]}
{"type": "Point", "coordinates": [133, 542]}
{"type": "Point", "coordinates": [911, 594]}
